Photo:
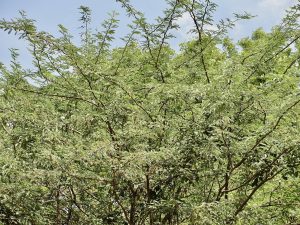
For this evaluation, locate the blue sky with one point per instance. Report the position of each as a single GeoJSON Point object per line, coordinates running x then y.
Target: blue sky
{"type": "Point", "coordinates": [48, 14]}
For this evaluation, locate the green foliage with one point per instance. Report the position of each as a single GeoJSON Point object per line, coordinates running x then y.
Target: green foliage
{"type": "Point", "coordinates": [142, 134]}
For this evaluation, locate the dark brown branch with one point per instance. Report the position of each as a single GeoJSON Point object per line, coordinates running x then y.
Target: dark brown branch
{"type": "Point", "coordinates": [257, 66]}
{"type": "Point", "coordinates": [259, 140]}
{"type": "Point", "coordinates": [166, 32]}
{"type": "Point", "coordinates": [103, 41]}
{"type": "Point", "coordinates": [291, 64]}
{"type": "Point", "coordinates": [123, 53]}
{"type": "Point", "coordinates": [116, 197]}
{"type": "Point", "coordinates": [248, 56]}
{"type": "Point", "coordinates": [268, 167]}
{"type": "Point", "coordinates": [57, 95]}
{"type": "Point", "coordinates": [199, 29]}
{"type": "Point", "coordinates": [244, 203]}
{"type": "Point", "coordinates": [57, 199]}
{"type": "Point", "coordinates": [148, 190]}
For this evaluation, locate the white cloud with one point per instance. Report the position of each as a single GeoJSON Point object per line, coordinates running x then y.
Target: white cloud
{"type": "Point", "coordinates": [238, 31]}
{"type": "Point", "coordinates": [274, 6]}
{"type": "Point", "coordinates": [185, 23]}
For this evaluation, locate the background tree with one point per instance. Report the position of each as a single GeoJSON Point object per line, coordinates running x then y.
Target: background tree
{"type": "Point", "coordinates": [142, 134]}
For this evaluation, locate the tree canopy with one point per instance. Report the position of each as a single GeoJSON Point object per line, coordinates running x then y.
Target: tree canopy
{"type": "Point", "coordinates": [144, 134]}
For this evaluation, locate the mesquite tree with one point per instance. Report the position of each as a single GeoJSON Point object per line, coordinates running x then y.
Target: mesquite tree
{"type": "Point", "coordinates": [142, 134]}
